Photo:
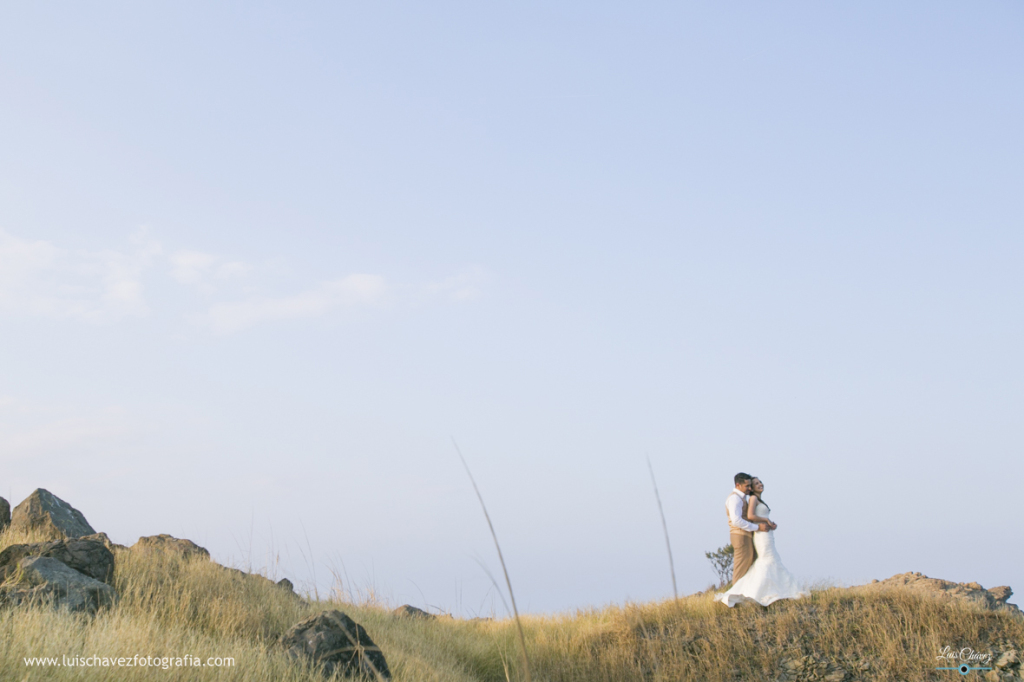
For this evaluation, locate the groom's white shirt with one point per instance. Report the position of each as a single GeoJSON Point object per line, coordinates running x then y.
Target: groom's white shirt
{"type": "Point", "coordinates": [734, 505]}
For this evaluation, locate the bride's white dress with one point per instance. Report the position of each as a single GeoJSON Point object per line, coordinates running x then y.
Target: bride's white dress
{"type": "Point", "coordinates": [767, 580]}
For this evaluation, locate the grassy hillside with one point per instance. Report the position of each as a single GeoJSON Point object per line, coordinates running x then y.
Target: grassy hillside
{"type": "Point", "coordinates": [170, 607]}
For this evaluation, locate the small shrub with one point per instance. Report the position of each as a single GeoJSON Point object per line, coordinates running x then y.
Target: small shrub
{"type": "Point", "coordinates": [721, 562]}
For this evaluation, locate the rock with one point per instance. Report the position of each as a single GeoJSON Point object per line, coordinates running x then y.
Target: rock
{"type": "Point", "coordinates": [972, 593]}
{"type": "Point", "coordinates": [339, 644]}
{"type": "Point", "coordinates": [1008, 659]}
{"type": "Point", "coordinates": [1001, 594]}
{"type": "Point", "coordinates": [5, 513]}
{"type": "Point", "coordinates": [408, 611]}
{"type": "Point", "coordinates": [102, 537]}
{"type": "Point", "coordinates": [86, 555]}
{"type": "Point", "coordinates": [166, 543]}
{"type": "Point", "coordinates": [44, 580]}
{"type": "Point", "coordinates": [284, 584]}
{"type": "Point", "coordinates": [43, 511]}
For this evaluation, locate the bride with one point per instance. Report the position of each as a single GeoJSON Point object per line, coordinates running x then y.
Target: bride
{"type": "Point", "coordinates": [767, 580]}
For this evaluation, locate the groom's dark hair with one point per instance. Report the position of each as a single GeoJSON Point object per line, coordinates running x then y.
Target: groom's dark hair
{"type": "Point", "coordinates": [741, 478]}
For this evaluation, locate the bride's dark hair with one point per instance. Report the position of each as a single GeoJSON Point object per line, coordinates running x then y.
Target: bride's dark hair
{"type": "Point", "coordinates": [759, 494]}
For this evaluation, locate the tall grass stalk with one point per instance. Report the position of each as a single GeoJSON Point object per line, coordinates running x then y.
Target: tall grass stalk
{"type": "Point", "coordinates": [664, 527]}
{"type": "Point", "coordinates": [512, 597]}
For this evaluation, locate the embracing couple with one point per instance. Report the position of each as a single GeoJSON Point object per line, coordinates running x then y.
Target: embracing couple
{"type": "Point", "coordinates": [757, 571]}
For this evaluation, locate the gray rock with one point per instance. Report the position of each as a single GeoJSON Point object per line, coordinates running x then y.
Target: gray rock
{"type": "Point", "coordinates": [285, 585]}
{"type": "Point", "coordinates": [408, 611]}
{"type": "Point", "coordinates": [102, 537]}
{"type": "Point", "coordinates": [42, 511]}
{"type": "Point", "coordinates": [167, 543]}
{"type": "Point", "coordinates": [44, 580]}
{"type": "Point", "coordinates": [336, 643]}
{"type": "Point", "coordinates": [5, 513]}
{"type": "Point", "coordinates": [85, 555]}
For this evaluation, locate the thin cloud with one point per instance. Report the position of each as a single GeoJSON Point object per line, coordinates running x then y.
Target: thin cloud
{"type": "Point", "coordinates": [201, 269]}
{"type": "Point", "coordinates": [190, 267]}
{"type": "Point", "coordinates": [28, 429]}
{"type": "Point", "coordinates": [463, 286]}
{"type": "Point", "coordinates": [356, 290]}
{"type": "Point", "coordinates": [40, 279]}
{"type": "Point", "coordinates": [231, 269]}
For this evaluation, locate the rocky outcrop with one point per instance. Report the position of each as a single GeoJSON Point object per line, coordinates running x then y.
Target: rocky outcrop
{"type": "Point", "coordinates": [1002, 658]}
{"type": "Point", "coordinates": [289, 588]}
{"type": "Point", "coordinates": [44, 512]}
{"type": "Point", "coordinates": [88, 556]}
{"type": "Point", "coordinates": [408, 611]}
{"type": "Point", "coordinates": [5, 513]}
{"type": "Point", "coordinates": [74, 571]}
{"type": "Point", "coordinates": [167, 543]}
{"type": "Point", "coordinates": [1000, 594]}
{"type": "Point", "coordinates": [283, 584]}
{"type": "Point", "coordinates": [993, 599]}
{"type": "Point", "coordinates": [1008, 663]}
{"type": "Point", "coordinates": [336, 643]}
{"type": "Point", "coordinates": [45, 580]}
{"type": "Point", "coordinates": [102, 537]}
{"type": "Point", "coordinates": [812, 667]}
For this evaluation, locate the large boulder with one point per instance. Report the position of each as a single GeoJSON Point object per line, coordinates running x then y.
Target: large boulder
{"type": "Point", "coordinates": [44, 580]}
{"type": "Point", "coordinates": [337, 643]}
{"type": "Point", "coordinates": [5, 513]}
{"type": "Point", "coordinates": [42, 511]}
{"type": "Point", "coordinates": [167, 543]}
{"type": "Point", "coordinates": [85, 555]}
{"type": "Point", "coordinates": [993, 599]}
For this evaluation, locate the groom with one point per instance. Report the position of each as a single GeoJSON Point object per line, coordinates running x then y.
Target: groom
{"type": "Point", "coordinates": [741, 531]}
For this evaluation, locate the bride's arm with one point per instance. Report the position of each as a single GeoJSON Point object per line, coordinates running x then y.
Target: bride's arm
{"type": "Point", "coordinates": [750, 515]}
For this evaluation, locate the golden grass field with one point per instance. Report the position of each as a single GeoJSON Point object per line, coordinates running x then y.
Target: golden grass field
{"type": "Point", "coordinates": [170, 607]}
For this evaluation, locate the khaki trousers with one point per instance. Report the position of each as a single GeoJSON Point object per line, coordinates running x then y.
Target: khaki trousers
{"type": "Point", "coordinates": [743, 554]}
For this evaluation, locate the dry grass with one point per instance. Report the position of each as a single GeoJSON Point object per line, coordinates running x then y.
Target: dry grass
{"type": "Point", "coordinates": [172, 607]}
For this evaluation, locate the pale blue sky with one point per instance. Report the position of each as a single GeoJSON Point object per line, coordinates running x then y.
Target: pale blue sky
{"type": "Point", "coordinates": [258, 265]}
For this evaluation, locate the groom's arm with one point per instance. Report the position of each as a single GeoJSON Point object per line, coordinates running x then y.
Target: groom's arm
{"type": "Point", "coordinates": [734, 505]}
{"type": "Point", "coordinates": [754, 518]}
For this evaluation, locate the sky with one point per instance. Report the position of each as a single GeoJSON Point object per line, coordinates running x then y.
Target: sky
{"type": "Point", "coordinates": [262, 266]}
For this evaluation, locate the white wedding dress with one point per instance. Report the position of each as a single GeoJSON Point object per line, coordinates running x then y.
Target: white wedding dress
{"type": "Point", "coordinates": [767, 580]}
